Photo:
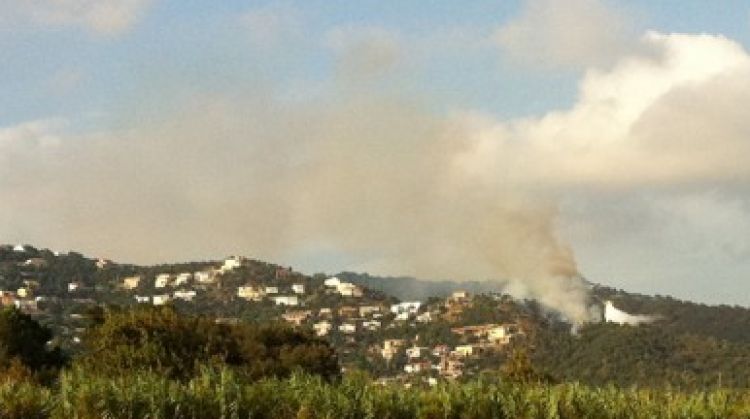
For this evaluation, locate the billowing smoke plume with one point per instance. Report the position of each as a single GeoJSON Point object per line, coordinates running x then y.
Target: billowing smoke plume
{"type": "Point", "coordinates": [375, 180]}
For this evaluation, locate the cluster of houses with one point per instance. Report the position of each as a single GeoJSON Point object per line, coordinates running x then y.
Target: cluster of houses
{"type": "Point", "coordinates": [354, 317]}
{"type": "Point", "coordinates": [441, 359]}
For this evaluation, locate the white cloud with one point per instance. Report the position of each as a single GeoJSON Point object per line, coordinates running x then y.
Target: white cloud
{"type": "Point", "coordinates": [673, 117]}
{"type": "Point", "coordinates": [104, 17]}
{"type": "Point", "coordinates": [573, 34]}
{"type": "Point", "coordinates": [650, 163]}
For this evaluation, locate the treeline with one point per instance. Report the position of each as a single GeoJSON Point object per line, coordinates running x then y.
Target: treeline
{"type": "Point", "coordinates": [723, 322]}
{"type": "Point", "coordinates": [647, 355]}
{"type": "Point", "coordinates": [162, 341]}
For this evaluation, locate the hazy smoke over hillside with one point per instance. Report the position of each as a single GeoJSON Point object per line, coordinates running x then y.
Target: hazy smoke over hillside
{"type": "Point", "coordinates": [377, 181]}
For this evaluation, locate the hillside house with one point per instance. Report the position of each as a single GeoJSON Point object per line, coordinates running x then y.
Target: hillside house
{"type": "Point", "coordinates": [325, 312]}
{"type": "Point", "coordinates": [286, 300]}
{"type": "Point", "coordinates": [205, 277]}
{"type": "Point", "coordinates": [348, 311]}
{"type": "Point", "coordinates": [297, 318]}
{"type": "Point", "coordinates": [160, 300]}
{"type": "Point", "coordinates": [24, 292]}
{"type": "Point", "coordinates": [131, 282]}
{"type": "Point", "coordinates": [417, 367]}
{"type": "Point", "coordinates": [185, 295]}
{"type": "Point", "coordinates": [476, 331]}
{"type": "Point", "coordinates": [417, 352]}
{"type": "Point", "coordinates": [404, 316]}
{"type": "Point", "coordinates": [74, 286]}
{"type": "Point", "coordinates": [182, 279]}
{"type": "Point", "coordinates": [271, 290]}
{"type": "Point", "coordinates": [393, 344]}
{"type": "Point", "coordinates": [441, 350]}
{"type": "Point", "coordinates": [425, 317]}
{"type": "Point", "coordinates": [450, 367]}
{"type": "Point", "coordinates": [332, 282]}
{"type": "Point", "coordinates": [465, 351]}
{"type": "Point", "coordinates": [298, 288]}
{"type": "Point", "coordinates": [231, 263]}
{"type": "Point", "coordinates": [19, 248]}
{"type": "Point", "coordinates": [348, 328]}
{"type": "Point", "coordinates": [162, 280]}
{"type": "Point", "coordinates": [142, 299]}
{"type": "Point", "coordinates": [502, 334]}
{"type": "Point", "coordinates": [322, 328]}
{"type": "Point", "coordinates": [371, 325]}
{"type": "Point", "coordinates": [250, 292]}
{"type": "Point", "coordinates": [410, 307]}
{"type": "Point", "coordinates": [347, 289]}
{"type": "Point", "coordinates": [102, 263]}
{"type": "Point", "coordinates": [367, 311]}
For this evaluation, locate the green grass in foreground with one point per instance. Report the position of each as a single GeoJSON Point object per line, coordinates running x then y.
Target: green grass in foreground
{"type": "Point", "coordinates": [220, 394]}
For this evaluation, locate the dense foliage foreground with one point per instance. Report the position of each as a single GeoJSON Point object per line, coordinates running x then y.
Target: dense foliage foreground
{"type": "Point", "coordinates": [219, 393]}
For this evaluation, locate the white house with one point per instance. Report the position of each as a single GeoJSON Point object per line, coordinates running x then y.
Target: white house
{"type": "Point", "coordinates": [332, 282]}
{"type": "Point", "coordinates": [349, 290]}
{"type": "Point", "coordinates": [73, 286]}
{"type": "Point", "coordinates": [131, 282]}
{"type": "Point", "coordinates": [286, 300]}
{"type": "Point", "coordinates": [298, 288]}
{"type": "Point", "coordinates": [322, 328]}
{"type": "Point", "coordinates": [142, 299]}
{"type": "Point", "coordinates": [467, 350]}
{"type": "Point", "coordinates": [425, 317]}
{"type": "Point", "coordinates": [19, 248]}
{"type": "Point", "coordinates": [366, 311]}
{"type": "Point", "coordinates": [348, 328]}
{"type": "Point", "coordinates": [271, 290]}
{"type": "Point", "coordinates": [160, 300]}
{"type": "Point", "coordinates": [417, 367]}
{"type": "Point", "coordinates": [371, 325]}
{"type": "Point", "coordinates": [403, 316]}
{"type": "Point", "coordinates": [250, 292]}
{"type": "Point", "coordinates": [185, 295]}
{"type": "Point", "coordinates": [162, 280]}
{"type": "Point", "coordinates": [231, 263]}
{"type": "Point", "coordinates": [410, 307]}
{"type": "Point", "coordinates": [503, 333]}
{"type": "Point", "coordinates": [205, 277]}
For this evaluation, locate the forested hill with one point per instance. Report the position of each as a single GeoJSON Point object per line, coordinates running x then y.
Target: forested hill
{"type": "Point", "coordinates": [691, 345]}
{"type": "Point", "coordinates": [408, 288]}
{"type": "Point", "coordinates": [731, 323]}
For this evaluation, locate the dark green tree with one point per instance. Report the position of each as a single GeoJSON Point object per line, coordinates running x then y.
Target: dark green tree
{"type": "Point", "coordinates": [163, 340]}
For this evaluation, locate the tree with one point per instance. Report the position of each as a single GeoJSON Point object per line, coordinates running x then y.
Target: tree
{"type": "Point", "coordinates": [162, 340]}
{"type": "Point", "coordinates": [24, 340]}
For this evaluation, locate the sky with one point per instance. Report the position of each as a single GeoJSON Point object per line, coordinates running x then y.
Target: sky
{"type": "Point", "coordinates": [530, 139]}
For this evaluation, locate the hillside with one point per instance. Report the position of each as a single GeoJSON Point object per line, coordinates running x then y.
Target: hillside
{"type": "Point", "coordinates": [438, 332]}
